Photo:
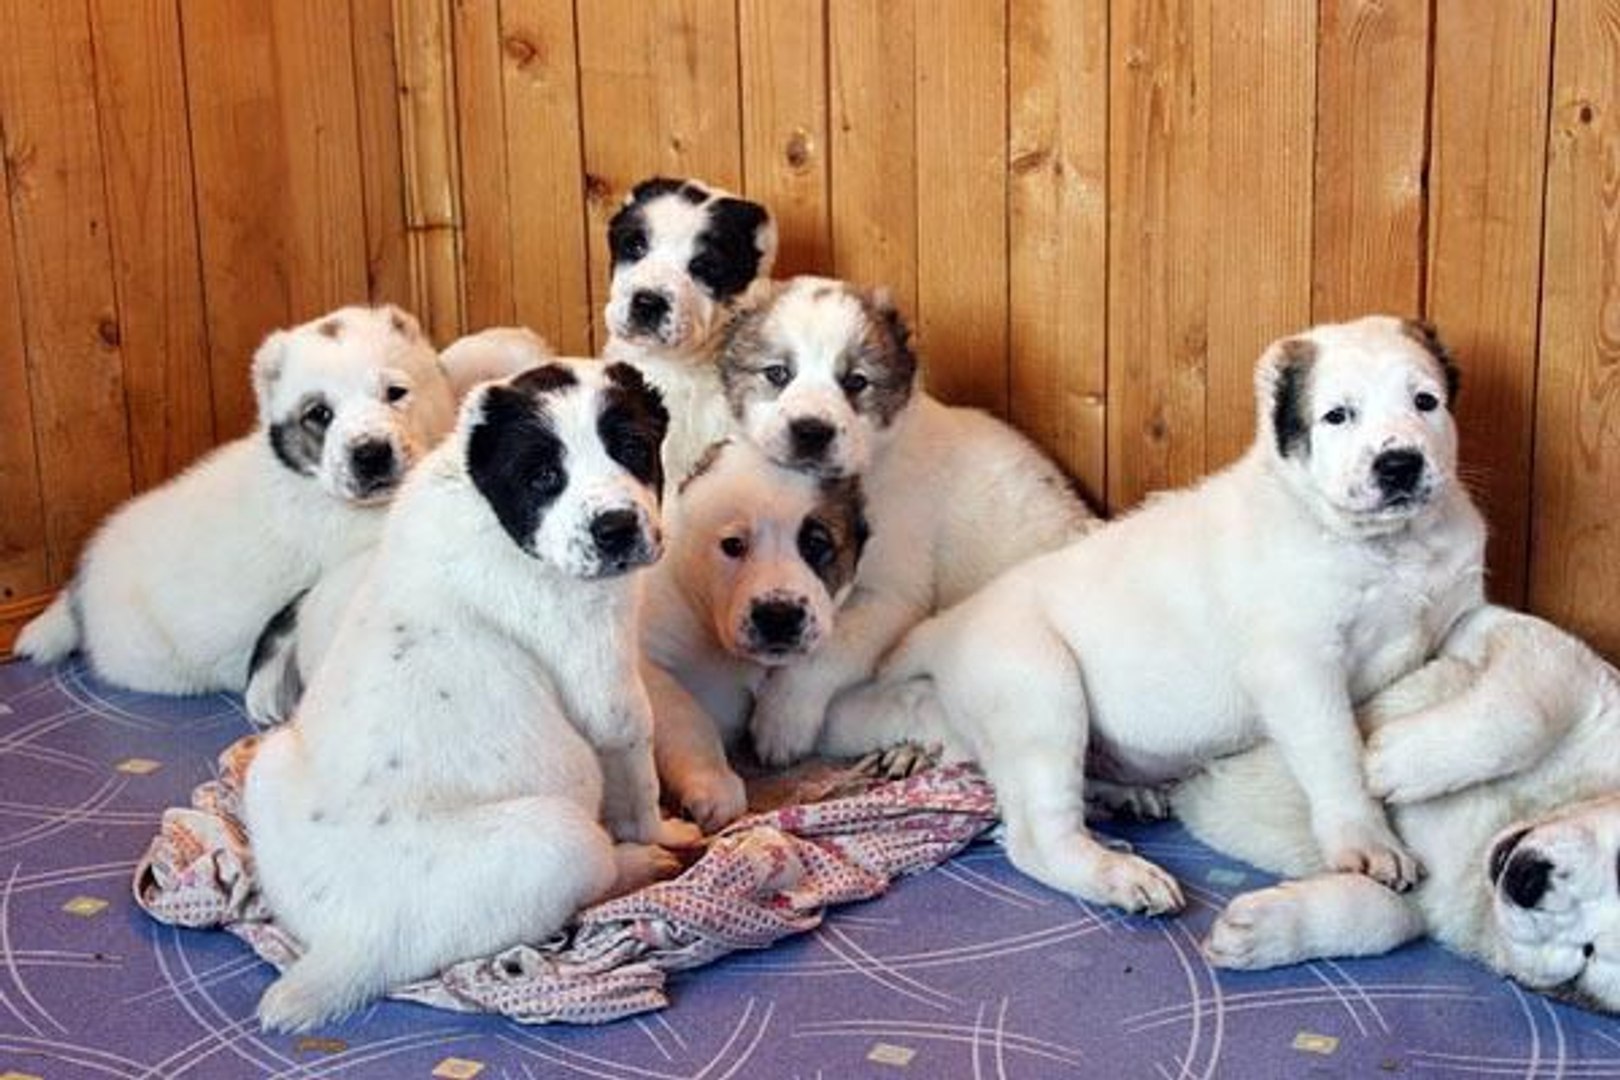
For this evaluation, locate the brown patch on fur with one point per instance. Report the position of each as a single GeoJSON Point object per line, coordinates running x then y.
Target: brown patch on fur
{"type": "Point", "coordinates": [842, 511]}
{"type": "Point", "coordinates": [884, 356]}
{"type": "Point", "coordinates": [704, 463]}
{"type": "Point", "coordinates": [331, 328]}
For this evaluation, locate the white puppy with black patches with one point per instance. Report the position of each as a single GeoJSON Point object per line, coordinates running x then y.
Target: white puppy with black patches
{"type": "Point", "coordinates": [301, 633]}
{"type": "Point", "coordinates": [1499, 759]}
{"type": "Point", "coordinates": [760, 559]}
{"type": "Point", "coordinates": [1330, 560]}
{"type": "Point", "coordinates": [823, 379]}
{"type": "Point", "coordinates": [687, 256]}
{"type": "Point", "coordinates": [439, 792]}
{"type": "Point", "coordinates": [174, 589]}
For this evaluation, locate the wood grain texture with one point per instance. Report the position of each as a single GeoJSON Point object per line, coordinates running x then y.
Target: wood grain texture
{"type": "Point", "coordinates": [141, 98]}
{"type": "Point", "coordinates": [485, 206]}
{"type": "Point", "coordinates": [376, 84]}
{"type": "Point", "coordinates": [550, 260]}
{"type": "Point", "coordinates": [1372, 90]}
{"type": "Point", "coordinates": [24, 568]}
{"type": "Point", "coordinates": [1262, 130]}
{"type": "Point", "coordinates": [1575, 572]}
{"type": "Point", "coordinates": [276, 146]}
{"type": "Point", "coordinates": [784, 86]}
{"type": "Point", "coordinates": [1484, 266]}
{"type": "Point", "coordinates": [873, 177]}
{"type": "Point", "coordinates": [962, 224]}
{"type": "Point", "coordinates": [14, 615]}
{"type": "Point", "coordinates": [60, 221]}
{"type": "Point", "coordinates": [1158, 186]}
{"type": "Point", "coordinates": [654, 100]}
{"type": "Point", "coordinates": [1057, 223]}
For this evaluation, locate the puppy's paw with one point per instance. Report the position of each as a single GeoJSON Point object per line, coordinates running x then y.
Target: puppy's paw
{"type": "Point", "coordinates": [639, 865]}
{"type": "Point", "coordinates": [1136, 802]}
{"type": "Point", "coordinates": [1135, 885]}
{"type": "Point", "coordinates": [1257, 930]}
{"type": "Point", "coordinates": [899, 762]}
{"type": "Point", "coordinates": [674, 833]}
{"type": "Point", "coordinates": [1370, 848]}
{"type": "Point", "coordinates": [715, 799]}
{"type": "Point", "coordinates": [1406, 763]}
{"type": "Point", "coordinates": [785, 722]}
{"type": "Point", "coordinates": [298, 1002]}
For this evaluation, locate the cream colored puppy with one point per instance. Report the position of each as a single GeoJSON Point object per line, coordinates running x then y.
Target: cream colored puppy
{"type": "Point", "coordinates": [1330, 560]}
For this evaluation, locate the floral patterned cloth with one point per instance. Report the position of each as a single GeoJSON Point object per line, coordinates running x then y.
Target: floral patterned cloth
{"type": "Point", "coordinates": [767, 876]}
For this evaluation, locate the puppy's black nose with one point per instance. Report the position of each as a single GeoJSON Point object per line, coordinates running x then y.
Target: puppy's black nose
{"type": "Point", "coordinates": [648, 308]}
{"type": "Point", "coordinates": [1526, 878]}
{"type": "Point", "coordinates": [777, 622]}
{"type": "Point", "coordinates": [616, 532]}
{"type": "Point", "coordinates": [810, 437]}
{"type": "Point", "coordinates": [373, 459]}
{"type": "Point", "coordinates": [1398, 471]}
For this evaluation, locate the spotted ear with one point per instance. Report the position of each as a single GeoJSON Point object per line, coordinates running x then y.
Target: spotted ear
{"type": "Point", "coordinates": [1285, 394]}
{"type": "Point", "coordinates": [1425, 334]}
{"type": "Point", "coordinates": [268, 363]}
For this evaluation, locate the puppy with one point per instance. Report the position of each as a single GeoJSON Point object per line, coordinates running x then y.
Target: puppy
{"type": "Point", "coordinates": [823, 379]}
{"type": "Point", "coordinates": [438, 793]}
{"type": "Point", "coordinates": [301, 633]}
{"type": "Point", "coordinates": [686, 258]}
{"type": "Point", "coordinates": [1327, 562]}
{"type": "Point", "coordinates": [1500, 759]}
{"type": "Point", "coordinates": [174, 589]}
{"type": "Point", "coordinates": [760, 559]}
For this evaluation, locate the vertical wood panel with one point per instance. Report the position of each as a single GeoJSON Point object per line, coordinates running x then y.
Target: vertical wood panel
{"type": "Point", "coordinates": [1372, 90]}
{"type": "Point", "coordinates": [24, 570]}
{"type": "Point", "coordinates": [276, 144]}
{"type": "Point", "coordinates": [1484, 273]}
{"type": "Point", "coordinates": [147, 159]}
{"type": "Point", "coordinates": [658, 95]}
{"type": "Point", "coordinates": [872, 68]}
{"type": "Point", "coordinates": [1575, 577]}
{"type": "Point", "coordinates": [486, 208]}
{"type": "Point", "coordinates": [64, 270]}
{"type": "Point", "coordinates": [388, 268]}
{"type": "Point", "coordinates": [784, 91]}
{"type": "Point", "coordinates": [550, 276]}
{"type": "Point", "coordinates": [1262, 127]}
{"type": "Point", "coordinates": [1057, 221]}
{"type": "Point", "coordinates": [961, 213]}
{"type": "Point", "coordinates": [1158, 288]}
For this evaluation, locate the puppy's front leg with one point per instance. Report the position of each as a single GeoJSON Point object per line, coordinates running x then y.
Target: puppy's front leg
{"type": "Point", "coordinates": [1316, 918]}
{"type": "Point", "coordinates": [690, 754]}
{"type": "Point", "coordinates": [1306, 710]}
{"type": "Point", "coordinates": [792, 705]}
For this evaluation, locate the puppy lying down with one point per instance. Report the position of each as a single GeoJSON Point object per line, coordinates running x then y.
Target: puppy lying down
{"type": "Point", "coordinates": [1501, 760]}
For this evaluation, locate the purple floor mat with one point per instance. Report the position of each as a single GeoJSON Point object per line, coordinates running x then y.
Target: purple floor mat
{"type": "Point", "coordinates": [967, 970]}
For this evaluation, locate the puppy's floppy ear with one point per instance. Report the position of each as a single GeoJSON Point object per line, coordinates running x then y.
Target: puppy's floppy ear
{"type": "Point", "coordinates": [651, 188]}
{"type": "Point", "coordinates": [647, 397]}
{"type": "Point", "coordinates": [268, 363]}
{"type": "Point", "coordinates": [1425, 334]}
{"type": "Point", "coordinates": [880, 303]}
{"type": "Point", "coordinates": [1283, 385]}
{"type": "Point", "coordinates": [752, 219]}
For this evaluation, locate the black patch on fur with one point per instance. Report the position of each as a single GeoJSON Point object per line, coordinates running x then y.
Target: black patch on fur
{"type": "Point", "coordinates": [383, 818]}
{"type": "Point", "coordinates": [282, 625]}
{"type": "Point", "coordinates": [654, 186]}
{"type": "Point", "coordinates": [298, 442]}
{"type": "Point", "coordinates": [627, 235]}
{"type": "Point", "coordinates": [727, 254]}
{"type": "Point", "coordinates": [840, 518]}
{"type": "Point", "coordinates": [1424, 333]}
{"type": "Point", "coordinates": [1290, 397]}
{"type": "Point", "coordinates": [515, 459]}
{"type": "Point", "coordinates": [545, 379]}
{"type": "Point", "coordinates": [632, 424]}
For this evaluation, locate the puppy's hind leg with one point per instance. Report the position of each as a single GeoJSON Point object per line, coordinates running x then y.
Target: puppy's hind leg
{"type": "Point", "coordinates": [322, 985]}
{"type": "Point", "coordinates": [1324, 916]}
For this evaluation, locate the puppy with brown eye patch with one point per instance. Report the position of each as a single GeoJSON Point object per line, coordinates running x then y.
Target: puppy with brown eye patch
{"type": "Point", "coordinates": [822, 378]}
{"type": "Point", "coordinates": [760, 559]}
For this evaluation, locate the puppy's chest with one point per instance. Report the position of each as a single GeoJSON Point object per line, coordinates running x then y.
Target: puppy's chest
{"type": "Point", "coordinates": [1395, 616]}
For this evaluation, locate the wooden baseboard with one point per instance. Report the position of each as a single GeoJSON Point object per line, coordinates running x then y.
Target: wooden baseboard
{"type": "Point", "coordinates": [15, 615]}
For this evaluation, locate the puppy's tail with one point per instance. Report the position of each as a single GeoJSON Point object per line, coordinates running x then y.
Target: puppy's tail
{"type": "Point", "coordinates": [52, 634]}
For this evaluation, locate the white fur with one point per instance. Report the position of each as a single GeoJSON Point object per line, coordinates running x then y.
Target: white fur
{"type": "Point", "coordinates": [954, 497]}
{"type": "Point", "coordinates": [703, 666]}
{"type": "Point", "coordinates": [1262, 603]}
{"type": "Point", "coordinates": [1513, 727]}
{"type": "Point", "coordinates": [173, 590]}
{"type": "Point", "coordinates": [438, 792]}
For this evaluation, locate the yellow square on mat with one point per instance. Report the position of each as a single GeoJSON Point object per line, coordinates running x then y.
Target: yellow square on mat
{"type": "Point", "coordinates": [1312, 1043]}
{"type": "Point", "coordinates": [313, 1044]}
{"type": "Point", "coordinates": [138, 766]}
{"type": "Point", "coordinates": [457, 1069]}
{"type": "Point", "coordinates": [19, 1076]}
{"type": "Point", "coordinates": [890, 1054]}
{"type": "Point", "coordinates": [84, 907]}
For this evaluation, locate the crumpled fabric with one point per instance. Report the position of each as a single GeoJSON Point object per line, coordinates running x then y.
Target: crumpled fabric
{"type": "Point", "coordinates": [765, 877]}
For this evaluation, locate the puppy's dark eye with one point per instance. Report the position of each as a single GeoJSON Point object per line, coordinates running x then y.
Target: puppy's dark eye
{"type": "Point", "coordinates": [547, 479]}
{"type": "Point", "coordinates": [816, 546]}
{"type": "Point", "coordinates": [702, 267]}
{"type": "Point", "coordinates": [1426, 402]}
{"type": "Point", "coordinates": [1336, 416]}
{"type": "Point", "coordinates": [854, 382]}
{"type": "Point", "coordinates": [733, 547]}
{"type": "Point", "coordinates": [778, 375]}
{"type": "Point", "coordinates": [634, 246]}
{"type": "Point", "coordinates": [317, 416]}
{"type": "Point", "coordinates": [396, 394]}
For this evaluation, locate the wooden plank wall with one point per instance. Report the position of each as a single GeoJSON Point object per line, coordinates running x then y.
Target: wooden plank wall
{"type": "Point", "coordinates": [1096, 213]}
